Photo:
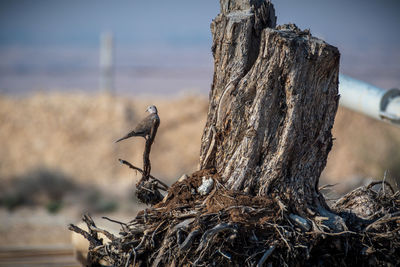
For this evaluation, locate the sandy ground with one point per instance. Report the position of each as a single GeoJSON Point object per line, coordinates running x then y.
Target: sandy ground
{"type": "Point", "coordinates": [75, 134]}
{"type": "Point", "coordinates": [37, 227]}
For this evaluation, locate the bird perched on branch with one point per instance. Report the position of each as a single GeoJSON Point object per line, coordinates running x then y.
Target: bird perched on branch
{"type": "Point", "coordinates": [146, 126]}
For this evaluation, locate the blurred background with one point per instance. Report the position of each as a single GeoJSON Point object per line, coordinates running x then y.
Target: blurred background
{"type": "Point", "coordinates": [59, 119]}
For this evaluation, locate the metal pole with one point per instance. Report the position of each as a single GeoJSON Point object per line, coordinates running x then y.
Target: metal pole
{"type": "Point", "coordinates": [375, 102]}
{"type": "Point", "coordinates": [107, 63]}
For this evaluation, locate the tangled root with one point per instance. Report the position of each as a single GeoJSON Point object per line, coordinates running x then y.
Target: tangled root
{"type": "Point", "coordinates": [228, 228]}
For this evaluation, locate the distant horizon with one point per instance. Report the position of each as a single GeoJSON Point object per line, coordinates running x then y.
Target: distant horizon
{"type": "Point", "coordinates": [54, 45]}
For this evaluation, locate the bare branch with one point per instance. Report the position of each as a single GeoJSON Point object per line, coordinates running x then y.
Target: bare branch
{"type": "Point", "coordinates": [164, 186]}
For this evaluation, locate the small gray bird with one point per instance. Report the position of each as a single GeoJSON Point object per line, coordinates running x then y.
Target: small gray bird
{"type": "Point", "coordinates": [144, 128]}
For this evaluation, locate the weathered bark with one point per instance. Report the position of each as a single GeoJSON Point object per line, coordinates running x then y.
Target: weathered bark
{"type": "Point", "coordinates": [272, 105]}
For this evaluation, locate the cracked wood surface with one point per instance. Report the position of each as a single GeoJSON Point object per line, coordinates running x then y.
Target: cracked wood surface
{"type": "Point", "coordinates": [272, 104]}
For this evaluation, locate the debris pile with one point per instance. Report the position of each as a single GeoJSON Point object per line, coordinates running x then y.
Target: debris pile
{"type": "Point", "coordinates": [201, 223]}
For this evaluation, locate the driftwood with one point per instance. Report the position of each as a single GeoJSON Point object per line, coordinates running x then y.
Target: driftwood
{"type": "Point", "coordinates": [256, 200]}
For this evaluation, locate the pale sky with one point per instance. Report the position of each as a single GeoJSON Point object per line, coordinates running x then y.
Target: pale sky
{"type": "Point", "coordinates": [49, 34]}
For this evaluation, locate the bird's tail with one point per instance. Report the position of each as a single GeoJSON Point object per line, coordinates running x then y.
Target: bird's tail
{"type": "Point", "coordinates": [126, 136]}
{"type": "Point", "coordinates": [123, 138]}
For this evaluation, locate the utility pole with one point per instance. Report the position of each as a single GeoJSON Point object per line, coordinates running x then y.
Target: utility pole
{"type": "Point", "coordinates": [107, 63]}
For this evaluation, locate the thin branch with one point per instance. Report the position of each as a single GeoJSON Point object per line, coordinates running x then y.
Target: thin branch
{"type": "Point", "coordinates": [189, 240]}
{"type": "Point", "coordinates": [211, 232]}
{"type": "Point", "coordinates": [114, 221]}
{"type": "Point", "coordinates": [91, 239]}
{"type": "Point", "coordinates": [147, 149]}
{"type": "Point", "coordinates": [266, 255]}
{"type": "Point", "coordinates": [372, 184]}
{"type": "Point", "coordinates": [104, 232]}
{"type": "Point", "coordinates": [142, 172]}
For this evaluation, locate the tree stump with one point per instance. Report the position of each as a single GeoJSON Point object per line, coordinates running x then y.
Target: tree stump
{"type": "Point", "coordinates": [272, 106]}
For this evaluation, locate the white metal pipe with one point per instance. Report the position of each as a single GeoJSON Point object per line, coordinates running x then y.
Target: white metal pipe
{"type": "Point", "coordinates": [375, 102]}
